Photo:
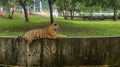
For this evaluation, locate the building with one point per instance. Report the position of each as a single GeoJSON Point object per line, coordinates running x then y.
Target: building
{"type": "Point", "coordinates": [3, 10]}
{"type": "Point", "coordinates": [39, 7]}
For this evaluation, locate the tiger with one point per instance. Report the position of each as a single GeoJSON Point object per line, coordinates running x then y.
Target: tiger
{"type": "Point", "coordinates": [46, 32]}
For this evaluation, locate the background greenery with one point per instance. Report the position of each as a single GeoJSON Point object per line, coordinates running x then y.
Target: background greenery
{"type": "Point", "coordinates": [76, 27]}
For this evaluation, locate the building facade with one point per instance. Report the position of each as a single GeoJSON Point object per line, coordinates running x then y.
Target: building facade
{"type": "Point", "coordinates": [39, 7]}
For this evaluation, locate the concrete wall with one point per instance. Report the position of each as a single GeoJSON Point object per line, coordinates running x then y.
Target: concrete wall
{"type": "Point", "coordinates": [61, 52]}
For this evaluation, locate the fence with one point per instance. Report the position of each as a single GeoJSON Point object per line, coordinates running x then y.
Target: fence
{"type": "Point", "coordinates": [61, 52]}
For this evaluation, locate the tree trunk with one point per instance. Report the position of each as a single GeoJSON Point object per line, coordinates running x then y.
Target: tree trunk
{"type": "Point", "coordinates": [72, 11]}
{"type": "Point", "coordinates": [10, 14]}
{"type": "Point", "coordinates": [26, 14]}
{"type": "Point", "coordinates": [115, 14]}
{"type": "Point", "coordinates": [51, 11]}
{"type": "Point", "coordinates": [66, 14]}
{"type": "Point", "coordinates": [63, 13]}
{"type": "Point", "coordinates": [91, 12]}
{"type": "Point", "coordinates": [25, 10]}
{"type": "Point", "coordinates": [71, 14]}
{"type": "Point", "coordinates": [10, 17]}
{"type": "Point", "coordinates": [79, 13]}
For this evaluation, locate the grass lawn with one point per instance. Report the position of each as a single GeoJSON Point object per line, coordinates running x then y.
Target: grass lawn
{"type": "Point", "coordinates": [76, 27]}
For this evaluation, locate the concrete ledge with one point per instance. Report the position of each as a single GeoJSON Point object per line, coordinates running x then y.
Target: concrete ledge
{"type": "Point", "coordinates": [8, 37]}
{"type": "Point", "coordinates": [70, 51]}
{"type": "Point", "coordinates": [70, 37]}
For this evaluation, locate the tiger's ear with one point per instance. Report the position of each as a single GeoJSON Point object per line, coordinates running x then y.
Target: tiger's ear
{"type": "Point", "coordinates": [55, 24]}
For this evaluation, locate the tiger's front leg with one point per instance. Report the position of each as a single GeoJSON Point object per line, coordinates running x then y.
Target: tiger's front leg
{"type": "Point", "coordinates": [55, 35]}
{"type": "Point", "coordinates": [61, 36]}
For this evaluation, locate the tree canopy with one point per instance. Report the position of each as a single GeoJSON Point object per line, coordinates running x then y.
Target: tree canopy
{"type": "Point", "coordinates": [67, 7]}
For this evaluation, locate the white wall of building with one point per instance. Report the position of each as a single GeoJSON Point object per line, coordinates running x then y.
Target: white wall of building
{"type": "Point", "coordinates": [1, 9]}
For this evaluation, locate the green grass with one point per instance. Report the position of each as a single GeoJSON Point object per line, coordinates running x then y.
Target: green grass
{"type": "Point", "coordinates": [76, 27]}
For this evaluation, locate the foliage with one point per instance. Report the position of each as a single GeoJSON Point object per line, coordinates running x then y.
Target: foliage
{"type": "Point", "coordinates": [66, 6]}
{"type": "Point", "coordinates": [111, 4]}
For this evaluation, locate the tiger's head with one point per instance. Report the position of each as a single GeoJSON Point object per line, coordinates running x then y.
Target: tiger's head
{"type": "Point", "coordinates": [53, 26]}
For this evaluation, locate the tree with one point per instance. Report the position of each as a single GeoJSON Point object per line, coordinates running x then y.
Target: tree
{"type": "Point", "coordinates": [51, 11]}
{"type": "Point", "coordinates": [72, 8]}
{"type": "Point", "coordinates": [11, 5]}
{"type": "Point", "coordinates": [61, 6]}
{"type": "Point", "coordinates": [115, 5]}
{"type": "Point", "coordinates": [50, 3]}
{"type": "Point", "coordinates": [23, 3]}
{"type": "Point", "coordinates": [81, 8]}
{"type": "Point", "coordinates": [68, 7]}
{"type": "Point", "coordinates": [64, 6]}
{"type": "Point", "coordinates": [111, 4]}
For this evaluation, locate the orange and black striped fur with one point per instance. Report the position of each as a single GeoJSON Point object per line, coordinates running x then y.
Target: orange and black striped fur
{"type": "Point", "coordinates": [47, 32]}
